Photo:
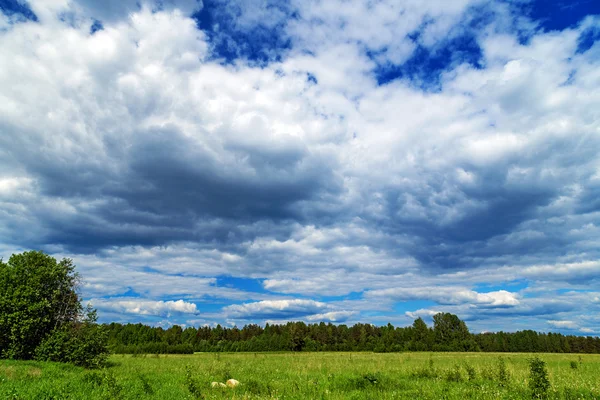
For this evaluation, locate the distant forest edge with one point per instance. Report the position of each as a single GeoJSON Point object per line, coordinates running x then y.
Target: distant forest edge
{"type": "Point", "coordinates": [449, 333]}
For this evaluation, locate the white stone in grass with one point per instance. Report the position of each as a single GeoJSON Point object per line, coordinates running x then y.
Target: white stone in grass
{"type": "Point", "coordinates": [232, 383]}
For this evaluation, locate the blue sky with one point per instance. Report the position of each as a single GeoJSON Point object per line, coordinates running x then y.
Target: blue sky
{"type": "Point", "coordinates": [248, 161]}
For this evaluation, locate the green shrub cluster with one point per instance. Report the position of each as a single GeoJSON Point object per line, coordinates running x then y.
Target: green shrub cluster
{"type": "Point", "coordinates": [41, 316]}
{"type": "Point", "coordinates": [538, 379]}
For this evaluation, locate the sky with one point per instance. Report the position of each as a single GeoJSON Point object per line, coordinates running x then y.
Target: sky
{"type": "Point", "coordinates": [251, 161]}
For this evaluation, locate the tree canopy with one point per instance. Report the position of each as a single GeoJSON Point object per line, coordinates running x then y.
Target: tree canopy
{"type": "Point", "coordinates": [41, 316]}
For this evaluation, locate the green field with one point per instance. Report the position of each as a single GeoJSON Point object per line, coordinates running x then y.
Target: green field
{"type": "Point", "coordinates": [305, 376]}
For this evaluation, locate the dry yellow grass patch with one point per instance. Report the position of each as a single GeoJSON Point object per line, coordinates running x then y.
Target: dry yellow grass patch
{"type": "Point", "coordinates": [34, 372]}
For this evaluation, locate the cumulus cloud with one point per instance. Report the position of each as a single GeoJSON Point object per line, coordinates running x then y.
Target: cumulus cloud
{"type": "Point", "coordinates": [365, 153]}
{"type": "Point", "coordinates": [449, 296]}
{"type": "Point", "coordinates": [143, 307]}
{"type": "Point", "coordinates": [275, 309]}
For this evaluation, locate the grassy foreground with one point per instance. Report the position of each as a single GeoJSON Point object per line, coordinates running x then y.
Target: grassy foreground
{"type": "Point", "coordinates": [305, 376]}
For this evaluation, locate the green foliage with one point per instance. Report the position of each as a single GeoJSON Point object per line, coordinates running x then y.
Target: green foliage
{"type": "Point", "coordinates": [452, 335]}
{"type": "Point", "coordinates": [80, 343]}
{"type": "Point", "coordinates": [539, 384]}
{"type": "Point", "coordinates": [454, 374]}
{"type": "Point", "coordinates": [41, 315]}
{"type": "Point", "coordinates": [502, 374]}
{"type": "Point", "coordinates": [426, 372]}
{"type": "Point", "coordinates": [574, 364]}
{"type": "Point", "coordinates": [106, 383]}
{"type": "Point", "coordinates": [37, 295]}
{"type": "Point", "coordinates": [191, 384]}
{"type": "Point", "coordinates": [471, 372]}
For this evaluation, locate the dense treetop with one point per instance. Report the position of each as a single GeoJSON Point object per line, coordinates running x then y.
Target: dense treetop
{"type": "Point", "coordinates": [41, 316]}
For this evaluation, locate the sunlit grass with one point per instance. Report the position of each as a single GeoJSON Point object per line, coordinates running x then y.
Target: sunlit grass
{"type": "Point", "coordinates": [304, 376]}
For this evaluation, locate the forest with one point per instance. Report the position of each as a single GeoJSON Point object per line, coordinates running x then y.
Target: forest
{"type": "Point", "coordinates": [448, 333]}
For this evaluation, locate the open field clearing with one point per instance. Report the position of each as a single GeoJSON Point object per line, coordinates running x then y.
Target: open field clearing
{"type": "Point", "coordinates": [306, 376]}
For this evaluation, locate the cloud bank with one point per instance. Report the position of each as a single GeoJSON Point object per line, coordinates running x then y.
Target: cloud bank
{"type": "Point", "coordinates": [313, 160]}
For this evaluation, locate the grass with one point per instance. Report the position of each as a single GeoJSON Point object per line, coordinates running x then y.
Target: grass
{"type": "Point", "coordinates": [305, 376]}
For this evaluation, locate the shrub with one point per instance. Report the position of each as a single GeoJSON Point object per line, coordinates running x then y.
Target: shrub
{"type": "Point", "coordinates": [80, 343]}
{"type": "Point", "coordinates": [574, 365]}
{"type": "Point", "coordinates": [538, 379]}
{"type": "Point", "coordinates": [471, 373]}
{"type": "Point", "coordinates": [426, 372]}
{"type": "Point", "coordinates": [191, 384]}
{"type": "Point", "coordinates": [454, 374]}
{"type": "Point", "coordinates": [41, 314]}
{"type": "Point", "coordinates": [502, 372]}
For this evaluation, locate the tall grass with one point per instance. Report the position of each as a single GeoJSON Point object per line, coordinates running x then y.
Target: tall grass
{"type": "Point", "coordinates": [307, 376]}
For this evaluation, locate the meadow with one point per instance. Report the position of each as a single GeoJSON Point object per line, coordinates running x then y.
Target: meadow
{"type": "Point", "coordinates": [306, 376]}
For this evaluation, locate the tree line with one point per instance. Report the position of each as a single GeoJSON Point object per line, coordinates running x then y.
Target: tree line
{"type": "Point", "coordinates": [448, 333]}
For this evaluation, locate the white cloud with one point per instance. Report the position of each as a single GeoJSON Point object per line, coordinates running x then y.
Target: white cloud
{"type": "Point", "coordinates": [332, 316]}
{"type": "Point", "coordinates": [422, 313]}
{"type": "Point", "coordinates": [145, 307]}
{"type": "Point", "coordinates": [448, 295]}
{"type": "Point", "coordinates": [570, 325]}
{"type": "Point", "coordinates": [563, 324]}
{"type": "Point", "coordinates": [130, 144]}
{"type": "Point", "coordinates": [577, 271]}
{"type": "Point", "coordinates": [295, 308]}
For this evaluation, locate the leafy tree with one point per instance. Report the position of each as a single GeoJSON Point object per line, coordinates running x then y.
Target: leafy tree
{"type": "Point", "coordinates": [420, 335]}
{"type": "Point", "coordinates": [452, 334]}
{"type": "Point", "coordinates": [41, 314]}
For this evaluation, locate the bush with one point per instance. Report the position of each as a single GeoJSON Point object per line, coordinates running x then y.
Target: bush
{"type": "Point", "coordinates": [471, 373]}
{"type": "Point", "coordinates": [41, 314]}
{"type": "Point", "coordinates": [454, 374]}
{"type": "Point", "coordinates": [538, 379]}
{"type": "Point", "coordinates": [502, 372]}
{"type": "Point", "coordinates": [192, 385]}
{"type": "Point", "coordinates": [79, 343]}
{"type": "Point", "coordinates": [574, 365]}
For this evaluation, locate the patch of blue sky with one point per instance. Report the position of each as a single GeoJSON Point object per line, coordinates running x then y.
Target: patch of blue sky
{"type": "Point", "coordinates": [559, 14]}
{"type": "Point", "coordinates": [413, 305]}
{"type": "Point", "coordinates": [245, 284]}
{"type": "Point", "coordinates": [17, 7]}
{"type": "Point", "coordinates": [425, 67]}
{"type": "Point", "coordinates": [349, 296]}
{"type": "Point", "coordinates": [588, 38]}
{"type": "Point", "coordinates": [129, 293]}
{"type": "Point", "coordinates": [427, 64]}
{"type": "Point", "coordinates": [257, 44]}
{"type": "Point", "coordinates": [96, 26]}
{"type": "Point", "coordinates": [563, 291]}
{"type": "Point", "coordinates": [512, 286]}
